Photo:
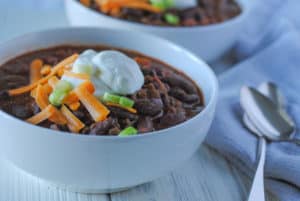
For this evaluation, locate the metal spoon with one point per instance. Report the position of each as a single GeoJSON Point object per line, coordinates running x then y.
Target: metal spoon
{"type": "Point", "coordinates": [271, 91]}
{"type": "Point", "coordinates": [265, 120]}
{"type": "Point", "coordinates": [257, 192]}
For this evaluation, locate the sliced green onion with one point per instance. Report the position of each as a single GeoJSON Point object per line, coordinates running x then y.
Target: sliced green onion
{"type": "Point", "coordinates": [57, 96]}
{"type": "Point", "coordinates": [126, 102]}
{"type": "Point", "coordinates": [172, 19]}
{"type": "Point", "coordinates": [108, 97]}
{"type": "Point", "coordinates": [121, 100]}
{"type": "Point", "coordinates": [64, 86]}
{"type": "Point", "coordinates": [86, 69]}
{"type": "Point", "coordinates": [169, 3]}
{"type": "Point", "coordinates": [162, 4]}
{"type": "Point", "coordinates": [159, 4]}
{"type": "Point", "coordinates": [128, 131]}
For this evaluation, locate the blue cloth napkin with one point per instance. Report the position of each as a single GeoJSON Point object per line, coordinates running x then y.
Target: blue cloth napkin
{"type": "Point", "coordinates": [271, 52]}
{"type": "Point", "coordinates": [268, 19]}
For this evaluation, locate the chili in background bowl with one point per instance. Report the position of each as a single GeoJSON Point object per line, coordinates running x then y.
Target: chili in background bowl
{"type": "Point", "coordinates": [209, 41]}
{"type": "Point", "coordinates": [98, 164]}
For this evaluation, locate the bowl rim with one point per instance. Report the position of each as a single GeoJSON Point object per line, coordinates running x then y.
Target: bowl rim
{"type": "Point", "coordinates": [237, 19]}
{"type": "Point", "coordinates": [189, 54]}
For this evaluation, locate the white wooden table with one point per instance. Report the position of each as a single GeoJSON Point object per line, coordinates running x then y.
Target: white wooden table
{"type": "Point", "coordinates": [205, 177]}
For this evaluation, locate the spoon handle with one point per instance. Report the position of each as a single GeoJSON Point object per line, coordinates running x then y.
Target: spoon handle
{"type": "Point", "coordinates": [257, 192]}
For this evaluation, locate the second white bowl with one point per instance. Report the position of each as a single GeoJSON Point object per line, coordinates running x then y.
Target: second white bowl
{"type": "Point", "coordinates": [208, 42]}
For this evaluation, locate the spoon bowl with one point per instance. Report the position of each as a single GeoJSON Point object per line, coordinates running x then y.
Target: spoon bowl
{"type": "Point", "coordinates": [266, 117]}
{"type": "Point", "coordinates": [268, 120]}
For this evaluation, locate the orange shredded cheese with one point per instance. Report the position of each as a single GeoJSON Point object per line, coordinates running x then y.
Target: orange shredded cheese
{"type": "Point", "coordinates": [53, 81]}
{"type": "Point", "coordinates": [71, 98]}
{"type": "Point", "coordinates": [132, 110]}
{"type": "Point", "coordinates": [60, 72]}
{"type": "Point", "coordinates": [115, 5]}
{"type": "Point", "coordinates": [143, 6]}
{"type": "Point", "coordinates": [33, 93]}
{"type": "Point", "coordinates": [35, 70]}
{"type": "Point", "coordinates": [73, 123]}
{"type": "Point", "coordinates": [47, 88]}
{"type": "Point", "coordinates": [89, 86]}
{"type": "Point", "coordinates": [86, 3]}
{"type": "Point", "coordinates": [81, 76]}
{"type": "Point", "coordinates": [74, 106]}
{"type": "Point", "coordinates": [58, 118]}
{"type": "Point", "coordinates": [96, 109]}
{"type": "Point", "coordinates": [41, 98]}
{"type": "Point", "coordinates": [143, 61]}
{"type": "Point", "coordinates": [42, 116]}
{"type": "Point", "coordinates": [28, 88]}
{"type": "Point", "coordinates": [115, 11]}
{"type": "Point", "coordinates": [46, 70]}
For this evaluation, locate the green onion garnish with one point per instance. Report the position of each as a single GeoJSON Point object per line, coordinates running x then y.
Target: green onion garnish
{"type": "Point", "coordinates": [169, 3]}
{"type": "Point", "coordinates": [126, 102]}
{"type": "Point", "coordinates": [86, 69]}
{"type": "Point", "coordinates": [61, 90]}
{"type": "Point", "coordinates": [172, 19]}
{"type": "Point", "coordinates": [56, 97]}
{"type": "Point", "coordinates": [64, 86]}
{"type": "Point", "coordinates": [158, 4]}
{"type": "Point", "coordinates": [108, 97]}
{"type": "Point", "coordinates": [128, 131]}
{"type": "Point", "coordinates": [121, 100]}
{"type": "Point", "coordinates": [162, 4]}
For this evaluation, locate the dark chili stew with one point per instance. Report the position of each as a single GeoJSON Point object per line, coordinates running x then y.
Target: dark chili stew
{"type": "Point", "coordinates": [167, 98]}
{"type": "Point", "coordinates": [206, 12]}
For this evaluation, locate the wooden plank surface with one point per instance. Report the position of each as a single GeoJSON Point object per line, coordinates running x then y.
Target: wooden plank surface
{"type": "Point", "coordinates": [205, 177]}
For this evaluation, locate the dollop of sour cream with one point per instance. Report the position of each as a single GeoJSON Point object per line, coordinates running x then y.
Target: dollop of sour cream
{"type": "Point", "coordinates": [118, 71]}
{"type": "Point", "coordinates": [111, 71]}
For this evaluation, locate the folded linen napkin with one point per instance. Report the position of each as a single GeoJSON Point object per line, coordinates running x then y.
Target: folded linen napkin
{"type": "Point", "coordinates": [278, 62]}
{"type": "Point", "coordinates": [267, 20]}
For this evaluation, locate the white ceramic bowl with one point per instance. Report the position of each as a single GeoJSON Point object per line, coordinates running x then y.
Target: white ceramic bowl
{"type": "Point", "coordinates": [94, 164]}
{"type": "Point", "coordinates": [208, 42]}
